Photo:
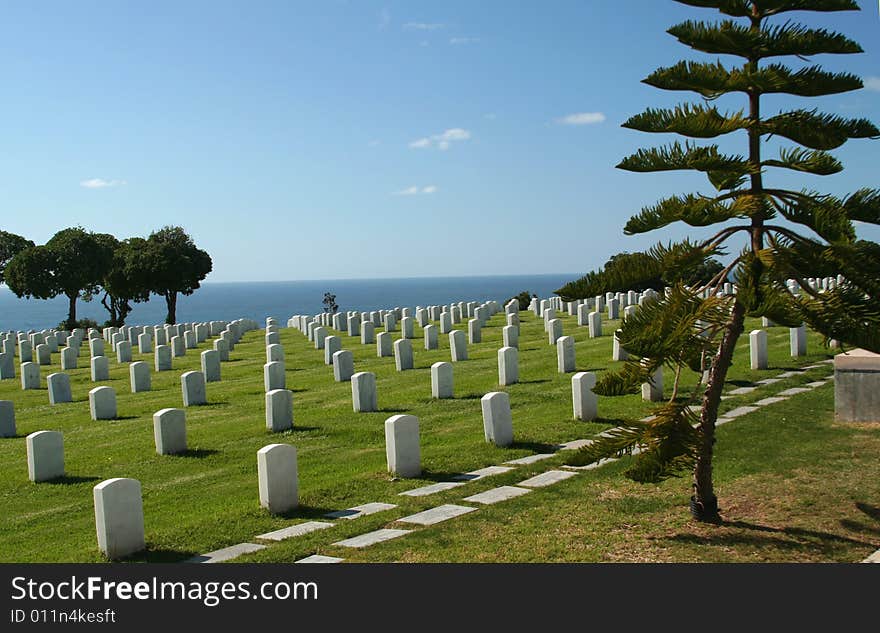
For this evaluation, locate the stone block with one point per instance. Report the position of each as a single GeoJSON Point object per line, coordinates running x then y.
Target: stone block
{"type": "Point", "coordinates": [343, 366]}
{"type": "Point", "coordinates": [497, 420]}
{"type": "Point", "coordinates": [402, 445]}
{"type": "Point", "coordinates": [278, 478]}
{"type": "Point", "coordinates": [584, 400]}
{"type": "Point", "coordinates": [7, 419]}
{"type": "Point", "coordinates": [758, 349]}
{"type": "Point", "coordinates": [332, 344]}
{"type": "Point", "coordinates": [45, 455]}
{"type": "Point", "coordinates": [857, 386]}
{"type": "Point", "coordinates": [210, 360]}
{"type": "Point", "coordinates": [59, 388]}
{"type": "Point", "coordinates": [403, 354]}
{"type": "Point", "coordinates": [565, 359]}
{"type": "Point", "coordinates": [102, 403]}
{"type": "Point", "coordinates": [508, 366]}
{"type": "Point", "coordinates": [458, 346]}
{"type": "Point", "coordinates": [364, 396]}
{"type": "Point", "coordinates": [383, 344]}
{"type": "Point", "coordinates": [192, 387]}
{"type": "Point", "coordinates": [169, 431]}
{"type": "Point", "coordinates": [279, 410]}
{"type": "Point", "coordinates": [30, 375]}
{"type": "Point", "coordinates": [119, 517]}
{"type": "Point", "coordinates": [442, 384]}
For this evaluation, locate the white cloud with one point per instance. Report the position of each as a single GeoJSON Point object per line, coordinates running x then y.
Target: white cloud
{"type": "Point", "coordinates": [463, 40]}
{"type": "Point", "coordinates": [415, 191]}
{"type": "Point", "coordinates": [423, 26]}
{"type": "Point", "coordinates": [442, 141]}
{"type": "Point", "coordinates": [582, 118]}
{"type": "Point", "coordinates": [100, 183]}
{"type": "Point", "coordinates": [872, 83]}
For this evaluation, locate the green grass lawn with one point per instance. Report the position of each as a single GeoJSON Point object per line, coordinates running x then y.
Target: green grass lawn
{"type": "Point", "coordinates": [208, 498]}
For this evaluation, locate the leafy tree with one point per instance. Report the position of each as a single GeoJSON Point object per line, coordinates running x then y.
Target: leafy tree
{"type": "Point", "coordinates": [638, 271]}
{"type": "Point", "coordinates": [125, 280]}
{"type": "Point", "coordinates": [174, 265]}
{"type": "Point", "coordinates": [330, 303]}
{"type": "Point", "coordinates": [698, 328]}
{"type": "Point", "coordinates": [10, 245]}
{"type": "Point", "coordinates": [72, 264]}
{"type": "Point", "coordinates": [523, 298]}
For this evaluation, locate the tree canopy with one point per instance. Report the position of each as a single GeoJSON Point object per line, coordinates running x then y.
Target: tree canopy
{"type": "Point", "coordinates": [174, 265]}
{"type": "Point", "coordinates": [10, 245]}
{"type": "Point", "coordinates": [788, 234]}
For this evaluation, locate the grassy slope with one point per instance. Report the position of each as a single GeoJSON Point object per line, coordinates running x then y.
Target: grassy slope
{"type": "Point", "coordinates": [208, 499]}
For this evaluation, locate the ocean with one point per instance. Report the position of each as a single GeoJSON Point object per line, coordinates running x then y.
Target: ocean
{"type": "Point", "coordinates": [282, 299]}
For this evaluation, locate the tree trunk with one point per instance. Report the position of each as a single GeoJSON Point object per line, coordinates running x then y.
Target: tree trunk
{"type": "Point", "coordinates": [704, 503]}
{"type": "Point", "coordinates": [71, 311]}
{"type": "Point", "coordinates": [111, 308]}
{"type": "Point", "coordinates": [171, 302]}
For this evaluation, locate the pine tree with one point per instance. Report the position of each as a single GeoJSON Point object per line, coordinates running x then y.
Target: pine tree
{"type": "Point", "coordinates": [697, 328]}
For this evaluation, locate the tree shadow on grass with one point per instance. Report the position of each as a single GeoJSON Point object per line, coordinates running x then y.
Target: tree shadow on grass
{"type": "Point", "coordinates": [762, 535]}
{"type": "Point", "coordinates": [160, 555]}
{"type": "Point", "coordinates": [306, 512]}
{"type": "Point", "coordinates": [872, 512]}
{"type": "Point", "coordinates": [741, 383]}
{"type": "Point", "coordinates": [68, 480]}
{"type": "Point", "coordinates": [538, 447]}
{"type": "Point", "coordinates": [197, 453]}
{"type": "Point", "coordinates": [436, 475]}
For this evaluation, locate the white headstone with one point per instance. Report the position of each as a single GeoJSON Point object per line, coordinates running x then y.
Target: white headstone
{"type": "Point", "coordinates": [45, 455]}
{"type": "Point", "coordinates": [139, 376]}
{"type": "Point", "coordinates": [343, 366]}
{"type": "Point", "coordinates": [565, 361]}
{"type": "Point", "coordinates": [44, 356]}
{"type": "Point", "coordinates": [332, 344]}
{"type": "Point", "coordinates": [210, 360]}
{"type": "Point", "coordinates": [613, 309]}
{"type": "Point", "coordinates": [402, 445]}
{"type": "Point", "coordinates": [222, 348]}
{"type": "Point", "coordinates": [445, 323]}
{"type": "Point", "coordinates": [617, 351]}
{"type": "Point", "coordinates": [383, 344]}
{"type": "Point", "coordinates": [100, 368]}
{"type": "Point", "coordinates": [363, 392]}
{"type": "Point", "coordinates": [162, 355]}
{"type": "Point", "coordinates": [508, 366]}
{"type": "Point", "coordinates": [59, 388]}
{"type": "Point", "coordinates": [442, 380]}
{"type": "Point", "coordinates": [554, 330]}
{"type": "Point", "coordinates": [458, 346]}
{"type": "Point", "coordinates": [178, 347]}
{"type": "Point", "coordinates": [169, 431]}
{"type": "Point", "coordinates": [652, 391]}
{"type": "Point", "coordinates": [96, 347]}
{"type": "Point", "coordinates": [30, 375]}
{"type": "Point", "coordinates": [407, 327]}
{"type": "Point", "coordinates": [192, 386]}
{"type": "Point", "coordinates": [123, 352]}
{"type": "Point", "coordinates": [279, 410]}
{"type": "Point", "coordinates": [497, 421]}
{"type": "Point", "coordinates": [758, 349]}
{"type": "Point", "coordinates": [584, 400]}
{"type": "Point", "coordinates": [475, 333]}
{"type": "Point", "coordinates": [368, 333]}
{"type": "Point", "coordinates": [119, 517]}
{"type": "Point", "coordinates": [797, 337]}
{"type": "Point", "coordinates": [510, 336]}
{"type": "Point", "coordinates": [430, 332]}
{"type": "Point", "coordinates": [145, 343]}
{"type": "Point", "coordinates": [278, 478]}
{"type": "Point", "coordinates": [403, 354]}
{"type": "Point", "coordinates": [102, 403]}
{"type": "Point", "coordinates": [274, 376]}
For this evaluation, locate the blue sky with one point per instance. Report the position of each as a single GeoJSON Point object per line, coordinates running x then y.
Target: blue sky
{"type": "Point", "coordinates": [326, 140]}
